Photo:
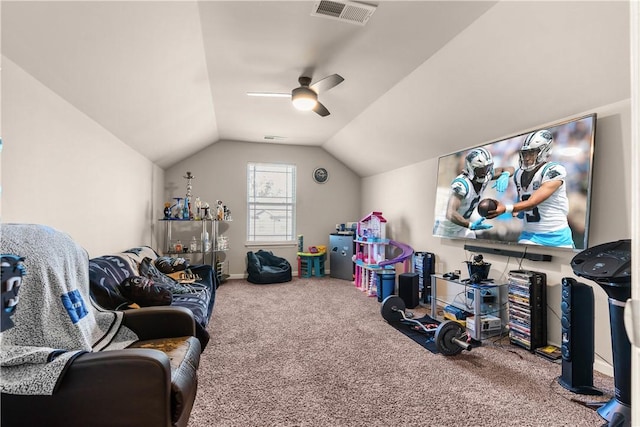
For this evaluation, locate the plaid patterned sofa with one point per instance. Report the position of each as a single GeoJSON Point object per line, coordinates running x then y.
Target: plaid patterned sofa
{"type": "Point", "coordinates": [108, 273]}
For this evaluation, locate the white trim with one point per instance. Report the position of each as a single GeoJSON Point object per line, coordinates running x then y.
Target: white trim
{"type": "Point", "coordinates": [634, 48]}
{"type": "Point", "coordinates": [603, 367]}
{"type": "Point", "coordinates": [285, 243]}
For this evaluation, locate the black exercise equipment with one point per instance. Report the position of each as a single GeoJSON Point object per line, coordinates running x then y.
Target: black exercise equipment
{"type": "Point", "coordinates": [609, 265]}
{"type": "Point", "coordinates": [450, 337]}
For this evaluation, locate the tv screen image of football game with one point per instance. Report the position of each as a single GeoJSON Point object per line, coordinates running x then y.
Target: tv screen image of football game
{"type": "Point", "coordinates": [541, 179]}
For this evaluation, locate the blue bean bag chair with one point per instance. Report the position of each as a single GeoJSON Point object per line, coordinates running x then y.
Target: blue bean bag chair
{"type": "Point", "coordinates": [263, 267]}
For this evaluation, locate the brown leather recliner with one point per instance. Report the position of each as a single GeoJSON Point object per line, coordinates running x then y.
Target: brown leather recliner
{"type": "Point", "coordinates": [66, 362]}
{"type": "Point", "coordinates": [153, 382]}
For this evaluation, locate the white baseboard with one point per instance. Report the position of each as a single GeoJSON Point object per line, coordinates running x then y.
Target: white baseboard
{"type": "Point", "coordinates": [603, 367]}
{"type": "Point", "coordinates": [244, 275]}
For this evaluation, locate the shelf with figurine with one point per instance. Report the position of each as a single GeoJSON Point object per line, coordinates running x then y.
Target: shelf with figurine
{"type": "Point", "coordinates": [179, 219]}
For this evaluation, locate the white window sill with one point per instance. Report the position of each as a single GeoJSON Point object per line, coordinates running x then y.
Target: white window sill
{"type": "Point", "coordinates": [289, 243]}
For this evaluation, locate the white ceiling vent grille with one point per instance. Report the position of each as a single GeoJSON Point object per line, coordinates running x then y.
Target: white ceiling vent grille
{"type": "Point", "coordinates": [346, 11]}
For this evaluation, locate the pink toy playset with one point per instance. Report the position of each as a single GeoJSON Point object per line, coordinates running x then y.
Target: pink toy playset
{"type": "Point", "coordinates": [370, 256]}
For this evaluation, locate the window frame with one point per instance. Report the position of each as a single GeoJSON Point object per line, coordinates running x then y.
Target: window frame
{"type": "Point", "coordinates": [254, 238]}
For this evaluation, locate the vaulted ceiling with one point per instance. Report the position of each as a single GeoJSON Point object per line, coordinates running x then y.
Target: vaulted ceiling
{"type": "Point", "coordinates": [422, 78]}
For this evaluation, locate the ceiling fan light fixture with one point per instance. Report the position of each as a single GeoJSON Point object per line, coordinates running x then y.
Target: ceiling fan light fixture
{"type": "Point", "coordinates": [304, 99]}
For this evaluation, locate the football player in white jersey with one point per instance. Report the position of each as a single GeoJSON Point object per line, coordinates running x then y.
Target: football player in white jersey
{"type": "Point", "coordinates": [542, 196]}
{"type": "Point", "coordinates": [466, 193]}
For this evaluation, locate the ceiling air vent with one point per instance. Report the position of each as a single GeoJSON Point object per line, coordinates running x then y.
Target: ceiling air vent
{"type": "Point", "coordinates": [346, 11]}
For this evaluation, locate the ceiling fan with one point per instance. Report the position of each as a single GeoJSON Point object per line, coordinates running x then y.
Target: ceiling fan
{"type": "Point", "coordinates": [305, 97]}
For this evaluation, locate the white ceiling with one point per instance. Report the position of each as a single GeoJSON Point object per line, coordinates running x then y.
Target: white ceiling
{"type": "Point", "coordinates": [422, 78]}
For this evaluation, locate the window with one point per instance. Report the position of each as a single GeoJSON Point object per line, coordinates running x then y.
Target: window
{"type": "Point", "coordinates": [271, 202]}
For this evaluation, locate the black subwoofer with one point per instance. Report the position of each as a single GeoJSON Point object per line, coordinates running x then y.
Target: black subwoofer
{"type": "Point", "coordinates": [408, 289]}
{"type": "Point", "coordinates": [577, 322]}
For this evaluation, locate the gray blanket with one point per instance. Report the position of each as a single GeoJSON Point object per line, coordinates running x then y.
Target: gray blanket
{"type": "Point", "coordinates": [55, 320]}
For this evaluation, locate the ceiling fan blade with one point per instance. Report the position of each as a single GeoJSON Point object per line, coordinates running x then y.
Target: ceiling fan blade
{"type": "Point", "coordinates": [321, 110]}
{"type": "Point", "coordinates": [327, 83]}
{"type": "Point", "coordinates": [270, 94]}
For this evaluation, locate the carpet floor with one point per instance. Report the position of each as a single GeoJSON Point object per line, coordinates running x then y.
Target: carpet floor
{"type": "Point", "coordinates": [316, 352]}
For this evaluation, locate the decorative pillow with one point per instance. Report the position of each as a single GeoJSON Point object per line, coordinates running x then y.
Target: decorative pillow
{"type": "Point", "coordinates": [169, 265]}
{"type": "Point", "coordinates": [105, 275]}
{"type": "Point", "coordinates": [134, 256]}
{"type": "Point", "coordinates": [145, 292]}
{"type": "Point", "coordinates": [149, 270]}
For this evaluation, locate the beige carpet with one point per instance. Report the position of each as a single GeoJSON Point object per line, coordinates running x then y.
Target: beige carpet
{"type": "Point", "coordinates": [316, 352]}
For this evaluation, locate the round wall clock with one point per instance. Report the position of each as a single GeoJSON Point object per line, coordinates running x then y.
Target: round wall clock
{"type": "Point", "coordinates": [320, 175]}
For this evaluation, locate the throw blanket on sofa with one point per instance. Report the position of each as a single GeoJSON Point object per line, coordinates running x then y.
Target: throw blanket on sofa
{"type": "Point", "coordinates": [55, 320]}
{"type": "Point", "coordinates": [107, 273]}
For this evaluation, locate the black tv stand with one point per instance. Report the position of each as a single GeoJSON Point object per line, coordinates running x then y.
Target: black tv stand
{"type": "Point", "coordinates": [509, 253]}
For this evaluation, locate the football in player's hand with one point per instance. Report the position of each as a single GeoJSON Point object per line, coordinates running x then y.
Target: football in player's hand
{"type": "Point", "coordinates": [487, 205]}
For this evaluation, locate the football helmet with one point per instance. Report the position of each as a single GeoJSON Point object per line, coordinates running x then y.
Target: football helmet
{"type": "Point", "coordinates": [479, 165]}
{"type": "Point", "coordinates": [540, 141]}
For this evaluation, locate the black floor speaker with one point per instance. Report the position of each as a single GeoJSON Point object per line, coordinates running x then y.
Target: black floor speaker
{"type": "Point", "coordinates": [408, 289]}
{"type": "Point", "coordinates": [424, 264]}
{"type": "Point", "coordinates": [577, 311]}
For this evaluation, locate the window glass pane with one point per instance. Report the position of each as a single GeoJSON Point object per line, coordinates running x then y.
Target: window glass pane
{"type": "Point", "coordinates": [271, 201]}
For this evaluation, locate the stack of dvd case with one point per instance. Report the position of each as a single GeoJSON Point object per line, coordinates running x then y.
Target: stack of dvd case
{"type": "Point", "coordinates": [527, 309]}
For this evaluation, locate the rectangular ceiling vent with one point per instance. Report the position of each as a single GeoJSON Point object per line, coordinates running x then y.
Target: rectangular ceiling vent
{"type": "Point", "coordinates": [346, 11]}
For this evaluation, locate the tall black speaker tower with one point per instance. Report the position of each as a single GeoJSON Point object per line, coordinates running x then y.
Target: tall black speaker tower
{"type": "Point", "coordinates": [577, 308]}
{"type": "Point", "coordinates": [424, 263]}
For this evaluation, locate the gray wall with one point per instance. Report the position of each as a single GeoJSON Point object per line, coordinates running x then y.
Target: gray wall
{"type": "Point", "coordinates": [221, 174]}
{"type": "Point", "coordinates": [62, 169]}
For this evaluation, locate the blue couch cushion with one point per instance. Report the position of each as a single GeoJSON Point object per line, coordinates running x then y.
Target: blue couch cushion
{"type": "Point", "coordinates": [194, 296]}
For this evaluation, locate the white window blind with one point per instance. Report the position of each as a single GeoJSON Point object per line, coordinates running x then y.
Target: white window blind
{"type": "Point", "coordinates": [271, 202]}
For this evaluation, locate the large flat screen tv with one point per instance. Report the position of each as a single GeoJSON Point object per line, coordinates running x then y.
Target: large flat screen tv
{"type": "Point", "coordinates": [541, 179]}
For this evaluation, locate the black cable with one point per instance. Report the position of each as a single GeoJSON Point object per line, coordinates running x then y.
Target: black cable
{"type": "Point", "coordinates": [524, 253]}
{"type": "Point", "coordinates": [497, 342]}
{"type": "Point", "coordinates": [552, 310]}
{"type": "Point", "coordinates": [504, 276]}
{"type": "Point", "coordinates": [591, 405]}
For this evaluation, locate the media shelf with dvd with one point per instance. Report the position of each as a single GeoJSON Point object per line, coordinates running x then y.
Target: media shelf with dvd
{"type": "Point", "coordinates": [481, 306]}
{"type": "Point", "coordinates": [527, 309]}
